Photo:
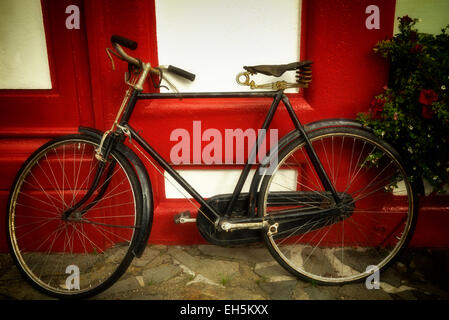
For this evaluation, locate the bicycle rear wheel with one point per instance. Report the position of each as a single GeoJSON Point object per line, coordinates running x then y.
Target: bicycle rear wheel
{"type": "Point", "coordinates": [339, 246]}
{"type": "Point", "coordinates": [86, 253]}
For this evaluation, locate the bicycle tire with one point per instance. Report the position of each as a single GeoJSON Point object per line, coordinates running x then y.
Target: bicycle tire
{"type": "Point", "coordinates": [98, 243]}
{"type": "Point", "coordinates": [339, 248]}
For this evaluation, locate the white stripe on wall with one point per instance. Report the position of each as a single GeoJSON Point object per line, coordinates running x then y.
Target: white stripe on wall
{"type": "Point", "coordinates": [210, 182]}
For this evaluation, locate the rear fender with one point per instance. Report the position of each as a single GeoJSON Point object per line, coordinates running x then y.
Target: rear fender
{"type": "Point", "coordinates": [320, 124]}
{"type": "Point", "coordinates": [142, 174]}
{"type": "Point", "coordinates": [286, 140]}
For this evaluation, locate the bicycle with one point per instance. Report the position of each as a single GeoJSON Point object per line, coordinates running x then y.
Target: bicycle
{"type": "Point", "coordinates": [336, 201]}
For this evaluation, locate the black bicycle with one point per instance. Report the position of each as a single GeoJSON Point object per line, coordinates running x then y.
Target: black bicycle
{"type": "Point", "coordinates": [331, 201]}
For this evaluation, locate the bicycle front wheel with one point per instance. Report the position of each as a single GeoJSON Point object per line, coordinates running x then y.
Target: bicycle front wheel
{"type": "Point", "coordinates": [86, 252]}
{"type": "Point", "coordinates": [331, 244]}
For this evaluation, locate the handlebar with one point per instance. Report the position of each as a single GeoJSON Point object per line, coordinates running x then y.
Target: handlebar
{"type": "Point", "coordinates": [119, 41]}
{"type": "Point", "coordinates": [127, 43]}
{"type": "Point", "coordinates": [180, 72]}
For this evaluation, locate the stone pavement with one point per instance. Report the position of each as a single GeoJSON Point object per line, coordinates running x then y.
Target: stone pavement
{"type": "Point", "coordinates": [207, 272]}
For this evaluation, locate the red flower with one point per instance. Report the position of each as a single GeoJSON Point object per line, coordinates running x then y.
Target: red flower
{"type": "Point", "coordinates": [413, 36]}
{"type": "Point", "coordinates": [427, 97]}
{"type": "Point", "coordinates": [427, 112]}
{"type": "Point", "coordinates": [416, 49]}
{"type": "Point", "coordinates": [377, 106]}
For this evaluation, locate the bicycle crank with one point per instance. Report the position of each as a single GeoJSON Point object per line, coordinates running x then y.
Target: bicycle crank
{"type": "Point", "coordinates": [229, 226]}
{"type": "Point", "coordinates": [184, 217]}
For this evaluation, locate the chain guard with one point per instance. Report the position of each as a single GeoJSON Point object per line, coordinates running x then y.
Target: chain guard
{"type": "Point", "coordinates": [223, 238]}
{"type": "Point", "coordinates": [287, 228]}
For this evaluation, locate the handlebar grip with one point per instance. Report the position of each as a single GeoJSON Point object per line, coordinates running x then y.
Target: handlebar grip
{"type": "Point", "coordinates": [130, 44]}
{"type": "Point", "coordinates": [182, 73]}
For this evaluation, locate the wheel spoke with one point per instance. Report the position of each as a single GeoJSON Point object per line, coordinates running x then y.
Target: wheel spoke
{"type": "Point", "coordinates": [338, 248]}
{"type": "Point", "coordinates": [97, 242]}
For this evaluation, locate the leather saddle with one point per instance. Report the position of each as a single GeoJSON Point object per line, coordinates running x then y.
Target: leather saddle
{"type": "Point", "coordinates": [277, 69]}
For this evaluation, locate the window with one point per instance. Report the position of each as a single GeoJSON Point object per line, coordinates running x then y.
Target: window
{"type": "Point", "coordinates": [23, 50]}
{"type": "Point", "coordinates": [215, 39]}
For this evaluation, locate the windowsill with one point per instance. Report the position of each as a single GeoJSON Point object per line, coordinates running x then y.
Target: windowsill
{"type": "Point", "coordinates": [165, 107]}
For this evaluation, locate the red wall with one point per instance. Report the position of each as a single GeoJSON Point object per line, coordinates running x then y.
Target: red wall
{"type": "Point", "coordinates": [346, 75]}
{"type": "Point", "coordinates": [31, 117]}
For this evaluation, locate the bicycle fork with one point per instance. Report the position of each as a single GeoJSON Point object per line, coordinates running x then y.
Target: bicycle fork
{"type": "Point", "coordinates": [107, 144]}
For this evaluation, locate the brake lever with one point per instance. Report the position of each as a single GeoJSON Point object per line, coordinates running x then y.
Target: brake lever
{"type": "Point", "coordinates": [109, 51]}
{"type": "Point", "coordinates": [160, 75]}
{"type": "Point", "coordinates": [170, 84]}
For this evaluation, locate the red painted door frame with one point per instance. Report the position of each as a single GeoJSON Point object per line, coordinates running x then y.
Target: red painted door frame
{"type": "Point", "coordinates": [62, 108]}
{"type": "Point", "coordinates": [31, 117]}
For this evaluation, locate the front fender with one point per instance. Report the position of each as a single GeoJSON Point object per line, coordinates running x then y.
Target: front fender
{"type": "Point", "coordinates": [142, 174]}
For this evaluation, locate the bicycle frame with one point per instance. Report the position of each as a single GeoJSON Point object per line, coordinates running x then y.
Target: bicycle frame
{"type": "Point", "coordinates": [277, 96]}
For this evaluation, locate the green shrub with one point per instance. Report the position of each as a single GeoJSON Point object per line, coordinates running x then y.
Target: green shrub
{"type": "Point", "coordinates": [412, 112]}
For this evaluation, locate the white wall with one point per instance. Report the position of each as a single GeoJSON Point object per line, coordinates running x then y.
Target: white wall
{"type": "Point", "coordinates": [23, 50]}
{"type": "Point", "coordinates": [212, 182]}
{"type": "Point", "coordinates": [433, 14]}
{"type": "Point", "coordinates": [214, 39]}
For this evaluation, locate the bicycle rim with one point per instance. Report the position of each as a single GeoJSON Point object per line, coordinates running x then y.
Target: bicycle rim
{"type": "Point", "coordinates": [347, 246]}
{"type": "Point", "coordinates": [86, 253]}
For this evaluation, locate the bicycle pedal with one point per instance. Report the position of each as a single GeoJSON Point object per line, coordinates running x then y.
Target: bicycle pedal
{"type": "Point", "coordinates": [184, 217]}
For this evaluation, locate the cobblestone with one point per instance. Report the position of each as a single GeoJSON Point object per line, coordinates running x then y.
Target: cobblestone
{"type": "Point", "coordinates": [246, 273]}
